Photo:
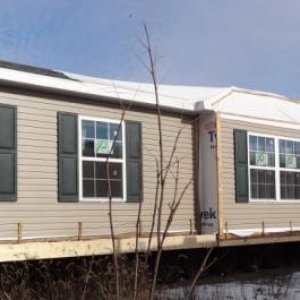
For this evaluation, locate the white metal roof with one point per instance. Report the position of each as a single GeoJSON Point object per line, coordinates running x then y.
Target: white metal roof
{"type": "Point", "coordinates": [231, 100]}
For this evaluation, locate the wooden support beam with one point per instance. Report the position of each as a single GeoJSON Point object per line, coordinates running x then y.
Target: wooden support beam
{"type": "Point", "coordinates": [79, 231]}
{"type": "Point", "coordinates": [191, 226]}
{"type": "Point", "coordinates": [263, 228]}
{"type": "Point", "coordinates": [219, 161]}
{"type": "Point", "coordinates": [261, 240]}
{"type": "Point", "coordinates": [19, 230]}
{"type": "Point", "coordinates": [75, 248]}
{"type": "Point", "coordinates": [226, 229]}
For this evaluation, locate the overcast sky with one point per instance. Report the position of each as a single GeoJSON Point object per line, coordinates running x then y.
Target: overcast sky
{"type": "Point", "coordinates": [246, 43]}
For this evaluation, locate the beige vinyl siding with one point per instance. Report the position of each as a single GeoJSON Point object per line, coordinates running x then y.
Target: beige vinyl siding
{"type": "Point", "coordinates": [251, 215]}
{"type": "Point", "coordinates": [37, 207]}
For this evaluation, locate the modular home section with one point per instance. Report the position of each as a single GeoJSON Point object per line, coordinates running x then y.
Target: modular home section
{"type": "Point", "coordinates": [59, 152]}
{"type": "Point", "coordinates": [240, 149]}
{"type": "Point", "coordinates": [261, 178]}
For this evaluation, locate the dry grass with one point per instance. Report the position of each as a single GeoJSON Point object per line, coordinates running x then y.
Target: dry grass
{"type": "Point", "coordinates": [78, 279]}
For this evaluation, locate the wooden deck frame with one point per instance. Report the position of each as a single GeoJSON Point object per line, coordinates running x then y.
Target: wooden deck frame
{"type": "Point", "coordinates": [259, 239]}
{"type": "Point", "coordinates": [42, 249]}
{"type": "Point", "coordinates": [33, 250]}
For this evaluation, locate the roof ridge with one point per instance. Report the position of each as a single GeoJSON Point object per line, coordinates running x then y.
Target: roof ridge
{"type": "Point", "coordinates": [265, 94]}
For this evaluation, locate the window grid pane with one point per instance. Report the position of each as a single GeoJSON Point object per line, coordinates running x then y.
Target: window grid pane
{"type": "Point", "coordinates": [264, 169]}
{"type": "Point", "coordinates": [262, 151]}
{"type": "Point", "coordinates": [262, 179]}
{"type": "Point", "coordinates": [262, 184]}
{"type": "Point", "coordinates": [290, 185]}
{"type": "Point", "coordinates": [104, 140]}
{"type": "Point", "coordinates": [289, 158]}
{"type": "Point", "coordinates": [95, 179]}
{"type": "Point", "coordinates": [289, 154]}
{"type": "Point", "coordinates": [101, 139]}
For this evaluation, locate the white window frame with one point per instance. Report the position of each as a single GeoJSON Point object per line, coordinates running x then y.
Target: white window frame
{"type": "Point", "coordinates": [276, 168]}
{"type": "Point", "coordinates": [82, 158]}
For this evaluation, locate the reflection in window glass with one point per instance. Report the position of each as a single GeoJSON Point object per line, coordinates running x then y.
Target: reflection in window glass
{"type": "Point", "coordinates": [88, 169]}
{"type": "Point", "coordinates": [88, 129]}
{"type": "Point", "coordinates": [88, 148]}
{"type": "Point", "coordinates": [290, 185]}
{"type": "Point", "coordinates": [115, 133]}
{"type": "Point", "coordinates": [117, 150]}
{"type": "Point", "coordinates": [96, 179]}
{"type": "Point", "coordinates": [270, 147]}
{"type": "Point", "coordinates": [289, 156]}
{"type": "Point", "coordinates": [253, 143]}
{"type": "Point", "coordinates": [281, 146]}
{"type": "Point", "coordinates": [261, 144]}
{"type": "Point", "coordinates": [107, 142]}
{"type": "Point", "coordinates": [262, 151]}
{"type": "Point", "coordinates": [289, 147]}
{"type": "Point", "coordinates": [88, 188]}
{"type": "Point", "coordinates": [262, 184]}
{"type": "Point", "coordinates": [102, 189]}
{"type": "Point", "coordinates": [297, 148]}
{"type": "Point", "coordinates": [102, 130]}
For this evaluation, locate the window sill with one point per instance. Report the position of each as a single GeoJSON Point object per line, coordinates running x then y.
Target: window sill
{"type": "Point", "coordinates": [101, 200]}
{"type": "Point", "coordinates": [266, 201]}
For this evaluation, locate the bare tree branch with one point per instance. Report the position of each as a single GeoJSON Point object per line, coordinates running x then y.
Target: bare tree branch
{"type": "Point", "coordinates": [201, 270]}
{"type": "Point", "coordinates": [111, 223]}
{"type": "Point", "coordinates": [159, 123]}
{"type": "Point", "coordinates": [154, 210]}
{"type": "Point", "coordinates": [137, 235]}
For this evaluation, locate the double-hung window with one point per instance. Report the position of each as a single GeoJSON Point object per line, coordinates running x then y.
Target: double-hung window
{"type": "Point", "coordinates": [289, 155]}
{"type": "Point", "coordinates": [273, 167]}
{"type": "Point", "coordinates": [98, 158]}
{"type": "Point", "coordinates": [262, 167]}
{"type": "Point", "coordinates": [101, 159]}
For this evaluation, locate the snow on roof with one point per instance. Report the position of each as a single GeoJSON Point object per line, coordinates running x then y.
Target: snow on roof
{"type": "Point", "coordinates": [230, 100]}
{"type": "Point", "coordinates": [172, 96]}
{"type": "Point", "coordinates": [258, 105]}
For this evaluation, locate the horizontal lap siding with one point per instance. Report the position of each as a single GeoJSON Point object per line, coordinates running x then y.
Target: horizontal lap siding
{"type": "Point", "coordinates": [251, 215]}
{"type": "Point", "coordinates": [37, 207]}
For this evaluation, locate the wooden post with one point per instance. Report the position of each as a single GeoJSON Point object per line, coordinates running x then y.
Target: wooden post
{"type": "Point", "coordinates": [219, 162]}
{"type": "Point", "coordinates": [191, 227]}
{"type": "Point", "coordinates": [79, 231]}
{"type": "Point", "coordinates": [19, 237]}
{"type": "Point", "coordinates": [226, 230]}
{"type": "Point", "coordinates": [291, 228]}
{"type": "Point", "coordinates": [263, 228]}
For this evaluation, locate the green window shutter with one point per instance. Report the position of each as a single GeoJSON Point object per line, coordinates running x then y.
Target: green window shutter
{"type": "Point", "coordinates": [8, 153]}
{"type": "Point", "coordinates": [67, 157]}
{"type": "Point", "coordinates": [241, 165]}
{"type": "Point", "coordinates": [134, 161]}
